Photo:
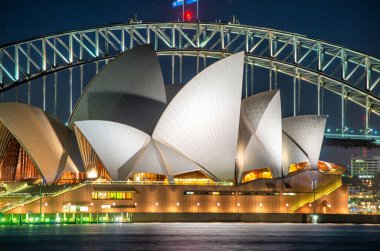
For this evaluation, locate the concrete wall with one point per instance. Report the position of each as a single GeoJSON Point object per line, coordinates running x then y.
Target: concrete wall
{"type": "Point", "coordinates": [254, 217]}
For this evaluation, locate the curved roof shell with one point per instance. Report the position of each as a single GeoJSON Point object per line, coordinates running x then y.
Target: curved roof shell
{"type": "Point", "coordinates": [291, 154]}
{"type": "Point", "coordinates": [260, 141]}
{"type": "Point", "coordinates": [133, 81]}
{"type": "Point", "coordinates": [114, 143]}
{"type": "Point", "coordinates": [307, 132]}
{"type": "Point", "coordinates": [202, 121]}
{"type": "Point", "coordinates": [45, 139]}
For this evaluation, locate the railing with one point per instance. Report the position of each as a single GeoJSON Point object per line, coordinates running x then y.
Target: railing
{"type": "Point", "coordinates": [30, 199]}
{"type": "Point", "coordinates": [352, 136]}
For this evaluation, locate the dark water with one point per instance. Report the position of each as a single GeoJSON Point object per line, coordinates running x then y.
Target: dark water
{"type": "Point", "coordinates": [191, 236]}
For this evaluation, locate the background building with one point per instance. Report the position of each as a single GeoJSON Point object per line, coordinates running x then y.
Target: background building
{"type": "Point", "coordinates": [364, 192]}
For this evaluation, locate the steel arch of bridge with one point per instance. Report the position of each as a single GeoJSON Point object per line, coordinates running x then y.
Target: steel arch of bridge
{"type": "Point", "coordinates": [352, 75]}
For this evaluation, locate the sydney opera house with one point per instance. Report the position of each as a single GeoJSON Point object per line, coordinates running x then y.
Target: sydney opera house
{"type": "Point", "coordinates": [133, 144]}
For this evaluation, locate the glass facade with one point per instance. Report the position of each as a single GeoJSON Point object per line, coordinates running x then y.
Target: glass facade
{"type": "Point", "coordinates": [257, 174]}
{"type": "Point", "coordinates": [111, 195]}
{"type": "Point", "coordinates": [299, 167]}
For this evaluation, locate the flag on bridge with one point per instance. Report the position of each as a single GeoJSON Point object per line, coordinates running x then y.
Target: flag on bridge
{"type": "Point", "coordinates": [177, 3]}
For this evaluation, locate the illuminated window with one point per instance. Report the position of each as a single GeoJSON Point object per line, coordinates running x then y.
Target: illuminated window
{"type": "Point", "coordinates": [71, 178]}
{"type": "Point", "coordinates": [259, 193]}
{"type": "Point", "coordinates": [111, 196]}
{"type": "Point", "coordinates": [83, 209]}
{"type": "Point", "coordinates": [330, 168]}
{"type": "Point", "coordinates": [148, 177]}
{"type": "Point", "coordinates": [289, 194]}
{"type": "Point", "coordinates": [263, 173]}
{"type": "Point", "coordinates": [200, 192]}
{"type": "Point", "coordinates": [74, 208]}
{"type": "Point", "coordinates": [296, 167]}
{"type": "Point", "coordinates": [192, 178]}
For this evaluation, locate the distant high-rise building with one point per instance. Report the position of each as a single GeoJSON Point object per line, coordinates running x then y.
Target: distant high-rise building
{"type": "Point", "coordinates": [365, 167]}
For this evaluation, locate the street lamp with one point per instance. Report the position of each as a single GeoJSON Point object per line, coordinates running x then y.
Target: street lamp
{"type": "Point", "coordinates": [46, 204]}
{"type": "Point", "coordinates": [261, 204]}
{"type": "Point", "coordinates": [198, 206]}
{"type": "Point", "coordinates": [22, 207]}
{"type": "Point", "coordinates": [90, 210]}
{"type": "Point", "coordinates": [177, 206]}
{"type": "Point", "coordinates": [238, 206]}
{"type": "Point", "coordinates": [314, 186]}
{"type": "Point", "coordinates": [218, 206]}
{"type": "Point", "coordinates": [287, 205]}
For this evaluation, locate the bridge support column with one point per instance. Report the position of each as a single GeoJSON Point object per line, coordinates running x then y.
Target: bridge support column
{"type": "Point", "coordinates": [71, 89]}
{"type": "Point", "coordinates": [180, 69]}
{"type": "Point", "coordinates": [1, 69]}
{"type": "Point", "coordinates": [252, 65]}
{"type": "Point", "coordinates": [319, 96]}
{"type": "Point", "coordinates": [270, 75]}
{"type": "Point", "coordinates": [44, 93]}
{"type": "Point", "coordinates": [294, 95]}
{"type": "Point", "coordinates": [343, 110]}
{"type": "Point", "coordinates": [246, 78]}
{"type": "Point", "coordinates": [367, 116]}
{"type": "Point", "coordinates": [173, 68]}
{"type": "Point", "coordinates": [55, 93]}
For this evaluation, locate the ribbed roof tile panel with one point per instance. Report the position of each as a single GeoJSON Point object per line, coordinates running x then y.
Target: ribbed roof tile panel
{"type": "Point", "coordinates": [307, 131]}
{"type": "Point", "coordinates": [202, 121]}
{"type": "Point", "coordinates": [114, 143]}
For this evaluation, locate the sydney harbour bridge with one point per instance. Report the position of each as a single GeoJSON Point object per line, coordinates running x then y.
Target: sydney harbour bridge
{"type": "Point", "coordinates": [52, 71]}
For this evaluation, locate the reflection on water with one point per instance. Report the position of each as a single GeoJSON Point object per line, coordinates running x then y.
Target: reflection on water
{"type": "Point", "coordinates": [191, 236]}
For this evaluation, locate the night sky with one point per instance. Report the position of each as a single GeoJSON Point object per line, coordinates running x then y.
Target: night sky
{"type": "Point", "coordinates": [353, 24]}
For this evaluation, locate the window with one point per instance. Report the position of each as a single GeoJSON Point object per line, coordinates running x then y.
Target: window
{"type": "Point", "coordinates": [111, 196]}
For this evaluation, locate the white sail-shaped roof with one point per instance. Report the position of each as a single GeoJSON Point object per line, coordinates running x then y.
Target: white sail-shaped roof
{"type": "Point", "coordinates": [114, 143]}
{"type": "Point", "coordinates": [307, 132]}
{"type": "Point", "coordinates": [261, 116]}
{"type": "Point", "coordinates": [129, 90]}
{"type": "Point", "coordinates": [291, 154]}
{"type": "Point", "coordinates": [254, 157]}
{"type": "Point", "coordinates": [148, 161]}
{"type": "Point", "coordinates": [176, 163]}
{"type": "Point", "coordinates": [45, 139]}
{"type": "Point", "coordinates": [202, 121]}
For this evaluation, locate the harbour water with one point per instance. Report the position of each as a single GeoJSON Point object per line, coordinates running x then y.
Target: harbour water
{"type": "Point", "coordinates": [191, 236]}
